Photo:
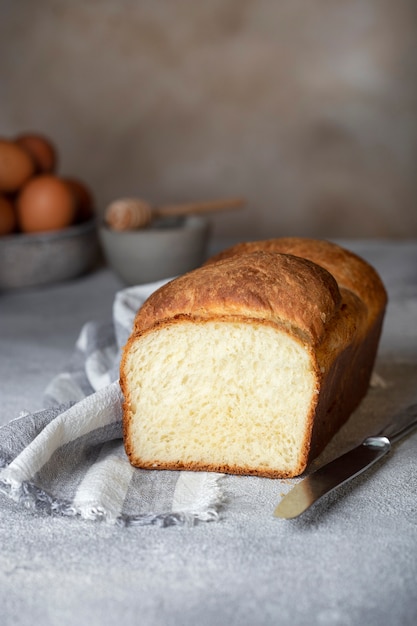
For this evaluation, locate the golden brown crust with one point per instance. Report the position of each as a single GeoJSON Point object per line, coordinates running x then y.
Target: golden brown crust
{"type": "Point", "coordinates": [209, 467]}
{"type": "Point", "coordinates": [349, 270]}
{"type": "Point", "coordinates": [280, 288]}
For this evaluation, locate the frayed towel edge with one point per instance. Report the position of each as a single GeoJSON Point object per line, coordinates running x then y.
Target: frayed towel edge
{"type": "Point", "coordinates": [28, 495]}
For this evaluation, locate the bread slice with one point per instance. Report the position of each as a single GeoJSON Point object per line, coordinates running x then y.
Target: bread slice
{"type": "Point", "coordinates": [251, 363]}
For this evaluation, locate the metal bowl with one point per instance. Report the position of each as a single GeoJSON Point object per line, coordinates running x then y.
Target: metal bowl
{"type": "Point", "coordinates": [165, 249]}
{"type": "Point", "coordinates": [32, 260]}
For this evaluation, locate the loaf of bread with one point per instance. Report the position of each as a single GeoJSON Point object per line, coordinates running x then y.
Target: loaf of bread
{"type": "Point", "coordinates": [252, 362]}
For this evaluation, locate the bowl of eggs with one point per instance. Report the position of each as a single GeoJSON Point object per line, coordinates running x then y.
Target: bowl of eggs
{"type": "Point", "coordinates": [48, 230]}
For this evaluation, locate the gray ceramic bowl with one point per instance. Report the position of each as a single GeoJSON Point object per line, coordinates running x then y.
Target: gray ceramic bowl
{"type": "Point", "coordinates": [163, 250]}
{"type": "Point", "coordinates": [32, 260]}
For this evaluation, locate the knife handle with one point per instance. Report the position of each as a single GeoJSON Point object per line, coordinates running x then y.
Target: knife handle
{"type": "Point", "coordinates": [402, 426]}
{"type": "Point", "coordinates": [378, 442]}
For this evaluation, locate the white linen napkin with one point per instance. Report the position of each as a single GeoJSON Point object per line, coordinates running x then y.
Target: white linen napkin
{"type": "Point", "coordinates": [69, 459]}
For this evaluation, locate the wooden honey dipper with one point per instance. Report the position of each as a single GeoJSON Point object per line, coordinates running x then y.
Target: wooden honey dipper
{"type": "Point", "coordinates": [132, 213]}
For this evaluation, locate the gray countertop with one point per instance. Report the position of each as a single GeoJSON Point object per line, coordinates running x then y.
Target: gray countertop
{"type": "Point", "coordinates": [350, 560]}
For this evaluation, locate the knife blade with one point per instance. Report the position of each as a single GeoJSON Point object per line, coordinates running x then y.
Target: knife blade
{"type": "Point", "coordinates": [346, 467]}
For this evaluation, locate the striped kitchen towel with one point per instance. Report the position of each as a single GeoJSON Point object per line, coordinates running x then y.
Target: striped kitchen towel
{"type": "Point", "coordinates": [69, 459]}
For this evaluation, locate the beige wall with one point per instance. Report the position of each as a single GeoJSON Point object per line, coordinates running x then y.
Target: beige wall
{"type": "Point", "coordinates": [307, 108]}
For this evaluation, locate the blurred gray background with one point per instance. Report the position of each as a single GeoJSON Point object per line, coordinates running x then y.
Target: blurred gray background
{"type": "Point", "coordinates": [307, 108]}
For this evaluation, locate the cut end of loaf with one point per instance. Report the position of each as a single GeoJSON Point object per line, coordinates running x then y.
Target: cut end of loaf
{"type": "Point", "coordinates": [221, 396]}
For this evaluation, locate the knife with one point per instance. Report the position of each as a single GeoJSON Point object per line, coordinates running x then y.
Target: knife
{"type": "Point", "coordinates": [324, 480]}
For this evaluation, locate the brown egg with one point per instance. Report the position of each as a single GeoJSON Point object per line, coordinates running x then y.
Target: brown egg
{"type": "Point", "coordinates": [83, 199]}
{"type": "Point", "coordinates": [8, 219]}
{"type": "Point", "coordinates": [16, 166]}
{"type": "Point", "coordinates": [45, 203]}
{"type": "Point", "coordinates": [41, 149]}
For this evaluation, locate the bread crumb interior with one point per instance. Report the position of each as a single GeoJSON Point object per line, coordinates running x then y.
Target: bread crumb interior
{"type": "Point", "coordinates": [219, 393]}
